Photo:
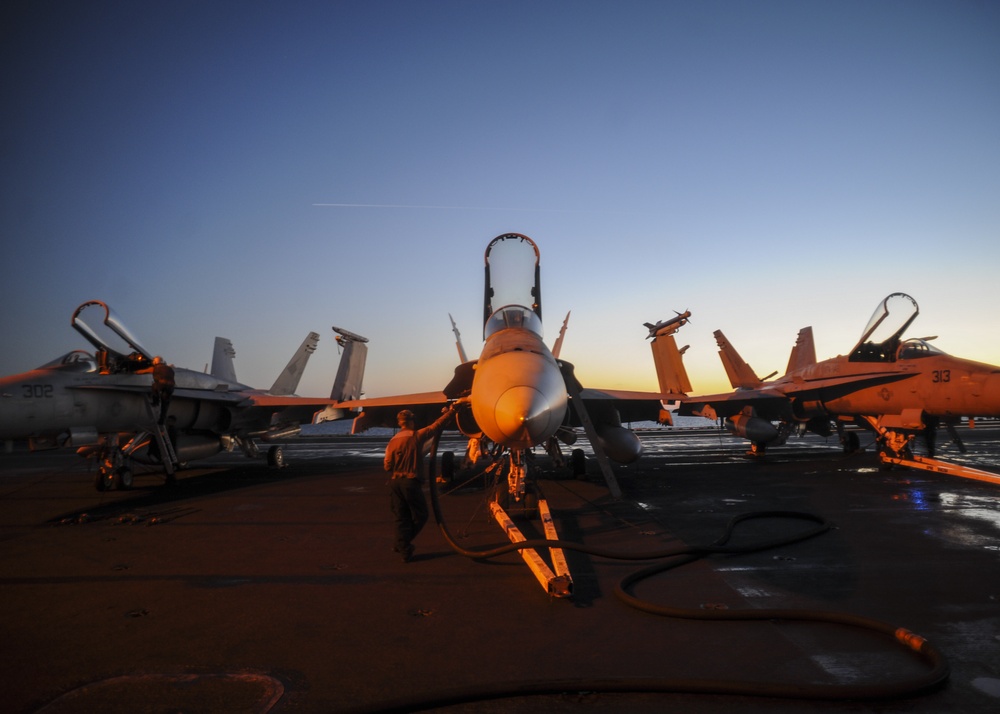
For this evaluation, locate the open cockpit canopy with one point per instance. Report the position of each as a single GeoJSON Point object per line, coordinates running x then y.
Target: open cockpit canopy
{"type": "Point", "coordinates": [111, 329]}
{"type": "Point", "coordinates": [512, 279]}
{"type": "Point", "coordinates": [881, 338]}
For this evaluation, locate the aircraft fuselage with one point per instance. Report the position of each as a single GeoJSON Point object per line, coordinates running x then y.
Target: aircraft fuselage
{"type": "Point", "coordinates": [49, 402]}
{"type": "Point", "coordinates": [939, 385]}
{"type": "Point", "coordinates": [518, 395]}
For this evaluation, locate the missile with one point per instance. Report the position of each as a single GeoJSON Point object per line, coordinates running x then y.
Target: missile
{"type": "Point", "coordinates": [346, 335]}
{"type": "Point", "coordinates": [667, 327]}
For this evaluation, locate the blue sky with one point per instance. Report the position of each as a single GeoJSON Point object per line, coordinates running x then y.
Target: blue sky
{"type": "Point", "coordinates": [767, 165]}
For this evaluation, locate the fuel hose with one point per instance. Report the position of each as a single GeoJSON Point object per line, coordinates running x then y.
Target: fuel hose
{"type": "Point", "coordinates": [935, 665]}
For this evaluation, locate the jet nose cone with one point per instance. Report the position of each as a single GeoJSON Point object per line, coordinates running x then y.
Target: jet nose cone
{"type": "Point", "coordinates": [523, 414]}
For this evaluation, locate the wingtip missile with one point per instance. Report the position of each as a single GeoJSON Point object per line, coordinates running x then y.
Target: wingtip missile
{"type": "Point", "coordinates": [347, 335]}
{"type": "Point", "coordinates": [666, 327]}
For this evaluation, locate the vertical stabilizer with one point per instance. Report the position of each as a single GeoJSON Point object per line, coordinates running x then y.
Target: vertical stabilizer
{"type": "Point", "coordinates": [740, 374]}
{"type": "Point", "coordinates": [803, 353]}
{"type": "Point", "coordinates": [670, 369]}
{"type": "Point", "coordinates": [668, 359]}
{"type": "Point", "coordinates": [351, 372]}
{"type": "Point", "coordinates": [223, 366]}
{"type": "Point", "coordinates": [288, 381]}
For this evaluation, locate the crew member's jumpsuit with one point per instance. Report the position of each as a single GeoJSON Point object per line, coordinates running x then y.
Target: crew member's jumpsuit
{"type": "Point", "coordinates": [404, 460]}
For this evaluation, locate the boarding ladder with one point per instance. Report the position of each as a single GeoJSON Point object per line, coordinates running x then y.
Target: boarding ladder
{"type": "Point", "coordinates": [159, 432]}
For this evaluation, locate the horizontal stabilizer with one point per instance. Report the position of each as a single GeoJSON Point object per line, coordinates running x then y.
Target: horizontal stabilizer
{"type": "Point", "coordinates": [288, 381]}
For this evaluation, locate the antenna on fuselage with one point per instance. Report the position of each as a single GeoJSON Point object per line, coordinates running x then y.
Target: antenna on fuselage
{"type": "Point", "coordinates": [458, 340]}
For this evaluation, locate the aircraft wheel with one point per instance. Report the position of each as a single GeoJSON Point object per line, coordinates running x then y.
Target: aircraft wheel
{"type": "Point", "coordinates": [123, 478]}
{"type": "Point", "coordinates": [276, 457]}
{"type": "Point", "coordinates": [578, 463]}
{"type": "Point", "coordinates": [99, 482]}
{"type": "Point", "coordinates": [852, 444]}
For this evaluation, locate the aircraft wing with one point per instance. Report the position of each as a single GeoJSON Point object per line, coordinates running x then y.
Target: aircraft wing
{"type": "Point", "coordinates": [275, 402]}
{"type": "Point", "coordinates": [611, 405]}
{"type": "Point", "coordinates": [769, 403]}
{"type": "Point", "coordinates": [631, 406]}
{"type": "Point", "coordinates": [774, 401]}
{"type": "Point", "coordinates": [382, 411]}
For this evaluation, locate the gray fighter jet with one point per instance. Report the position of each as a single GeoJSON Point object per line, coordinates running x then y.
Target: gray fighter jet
{"type": "Point", "coordinates": [102, 403]}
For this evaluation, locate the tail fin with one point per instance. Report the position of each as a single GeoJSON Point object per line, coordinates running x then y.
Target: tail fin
{"type": "Point", "coordinates": [223, 367]}
{"type": "Point", "coordinates": [803, 353]}
{"type": "Point", "coordinates": [288, 381]}
{"type": "Point", "coordinates": [741, 376]}
{"type": "Point", "coordinates": [668, 359]}
{"type": "Point", "coordinates": [351, 372]}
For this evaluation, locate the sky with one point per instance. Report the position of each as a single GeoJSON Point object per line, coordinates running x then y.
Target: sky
{"type": "Point", "coordinates": [260, 170]}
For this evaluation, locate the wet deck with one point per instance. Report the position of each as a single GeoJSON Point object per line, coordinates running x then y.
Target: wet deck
{"type": "Point", "coordinates": [240, 590]}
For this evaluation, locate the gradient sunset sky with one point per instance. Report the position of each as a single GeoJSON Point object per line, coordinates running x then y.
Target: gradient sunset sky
{"type": "Point", "coordinates": [258, 170]}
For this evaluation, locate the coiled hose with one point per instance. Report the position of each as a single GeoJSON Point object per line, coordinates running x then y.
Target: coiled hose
{"type": "Point", "coordinates": [937, 673]}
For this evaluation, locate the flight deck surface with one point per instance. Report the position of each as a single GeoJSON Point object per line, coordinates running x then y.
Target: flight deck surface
{"type": "Point", "coordinates": [247, 590]}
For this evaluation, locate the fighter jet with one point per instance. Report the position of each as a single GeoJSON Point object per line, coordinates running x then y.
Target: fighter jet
{"type": "Point", "coordinates": [100, 403]}
{"type": "Point", "coordinates": [520, 395]}
{"type": "Point", "coordinates": [895, 387]}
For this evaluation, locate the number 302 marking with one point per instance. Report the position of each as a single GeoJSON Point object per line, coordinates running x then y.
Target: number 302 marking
{"type": "Point", "coordinates": [37, 391]}
{"type": "Point", "coordinates": [941, 375]}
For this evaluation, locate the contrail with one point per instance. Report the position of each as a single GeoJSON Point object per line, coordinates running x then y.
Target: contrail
{"type": "Point", "coordinates": [448, 208]}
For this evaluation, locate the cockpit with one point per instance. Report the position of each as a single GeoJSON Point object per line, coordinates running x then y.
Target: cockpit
{"type": "Point", "coordinates": [513, 316]}
{"type": "Point", "coordinates": [880, 342]}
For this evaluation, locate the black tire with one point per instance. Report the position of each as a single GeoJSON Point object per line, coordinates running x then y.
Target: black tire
{"type": "Point", "coordinates": [123, 478]}
{"type": "Point", "coordinates": [276, 457]}
{"type": "Point", "coordinates": [578, 463]}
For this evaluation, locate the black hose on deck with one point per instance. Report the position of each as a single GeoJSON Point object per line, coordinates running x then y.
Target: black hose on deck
{"type": "Point", "coordinates": [936, 676]}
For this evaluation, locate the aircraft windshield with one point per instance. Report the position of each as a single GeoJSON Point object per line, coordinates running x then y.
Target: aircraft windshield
{"type": "Point", "coordinates": [513, 316]}
{"type": "Point", "coordinates": [512, 275]}
{"type": "Point", "coordinates": [915, 349]}
{"type": "Point", "coordinates": [75, 361]}
{"type": "Point", "coordinates": [881, 337]}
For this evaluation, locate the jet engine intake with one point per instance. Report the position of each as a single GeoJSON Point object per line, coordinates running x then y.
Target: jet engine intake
{"type": "Point", "coordinates": [808, 408]}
